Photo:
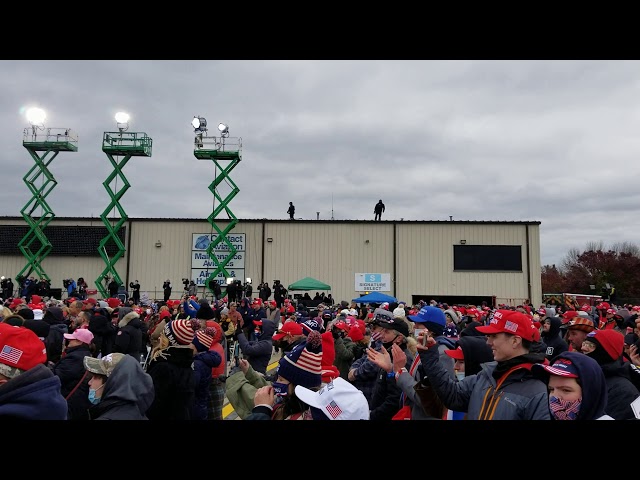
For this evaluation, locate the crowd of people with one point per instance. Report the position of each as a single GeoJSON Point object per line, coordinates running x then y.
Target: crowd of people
{"type": "Point", "coordinates": [178, 360]}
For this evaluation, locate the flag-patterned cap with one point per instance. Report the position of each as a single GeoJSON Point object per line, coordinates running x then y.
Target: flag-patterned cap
{"type": "Point", "coordinates": [180, 332]}
{"type": "Point", "coordinates": [20, 350]}
{"type": "Point", "coordinates": [303, 364]}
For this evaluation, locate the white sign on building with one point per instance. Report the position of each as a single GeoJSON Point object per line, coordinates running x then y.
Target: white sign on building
{"type": "Point", "coordinates": [202, 265]}
{"type": "Point", "coordinates": [373, 282]}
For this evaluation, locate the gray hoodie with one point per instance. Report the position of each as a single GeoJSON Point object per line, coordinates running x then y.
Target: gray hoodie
{"type": "Point", "coordinates": [128, 393]}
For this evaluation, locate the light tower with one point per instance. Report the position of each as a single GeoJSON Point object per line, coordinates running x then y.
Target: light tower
{"type": "Point", "coordinates": [219, 149]}
{"type": "Point", "coordinates": [125, 145]}
{"type": "Point", "coordinates": [34, 245]}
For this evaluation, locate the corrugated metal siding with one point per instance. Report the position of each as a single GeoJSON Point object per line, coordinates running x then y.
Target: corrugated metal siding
{"type": "Point", "coordinates": [329, 251]}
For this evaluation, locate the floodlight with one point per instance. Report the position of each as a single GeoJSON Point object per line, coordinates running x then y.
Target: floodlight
{"type": "Point", "coordinates": [229, 281]}
{"type": "Point", "coordinates": [224, 129]}
{"type": "Point", "coordinates": [122, 117]}
{"type": "Point", "coordinates": [199, 124]}
{"type": "Point", "coordinates": [36, 116]}
{"type": "Point", "coordinates": [122, 120]}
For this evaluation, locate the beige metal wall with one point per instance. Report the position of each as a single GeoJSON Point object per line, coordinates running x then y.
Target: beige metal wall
{"type": "Point", "coordinates": [332, 252]}
{"type": "Point", "coordinates": [425, 261]}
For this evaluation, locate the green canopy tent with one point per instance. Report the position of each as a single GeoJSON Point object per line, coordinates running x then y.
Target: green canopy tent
{"type": "Point", "coordinates": [308, 283]}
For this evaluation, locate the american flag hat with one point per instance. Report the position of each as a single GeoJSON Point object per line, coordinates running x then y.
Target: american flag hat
{"type": "Point", "coordinates": [179, 332]}
{"type": "Point", "coordinates": [338, 400]}
{"type": "Point", "coordinates": [303, 364]}
{"type": "Point", "coordinates": [20, 350]}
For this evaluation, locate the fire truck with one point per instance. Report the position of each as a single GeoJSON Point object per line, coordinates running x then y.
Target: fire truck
{"type": "Point", "coordinates": [570, 301]}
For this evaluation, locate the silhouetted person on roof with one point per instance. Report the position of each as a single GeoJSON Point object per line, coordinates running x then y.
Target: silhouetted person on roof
{"type": "Point", "coordinates": [291, 211]}
{"type": "Point", "coordinates": [378, 209]}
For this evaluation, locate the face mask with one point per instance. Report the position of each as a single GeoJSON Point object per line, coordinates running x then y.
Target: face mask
{"type": "Point", "coordinates": [92, 395]}
{"type": "Point", "coordinates": [280, 389]}
{"type": "Point", "coordinates": [459, 375]}
{"type": "Point", "coordinates": [564, 410]}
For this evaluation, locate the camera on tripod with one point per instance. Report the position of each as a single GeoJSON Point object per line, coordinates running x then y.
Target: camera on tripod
{"type": "Point", "coordinates": [66, 282]}
{"type": "Point", "coordinates": [185, 282]}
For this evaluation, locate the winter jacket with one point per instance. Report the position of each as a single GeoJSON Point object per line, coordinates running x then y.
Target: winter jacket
{"type": "Point", "coordinates": [57, 328]}
{"type": "Point", "coordinates": [33, 395]}
{"type": "Point", "coordinates": [128, 393]}
{"type": "Point", "coordinates": [173, 383]}
{"type": "Point", "coordinates": [520, 396]}
{"type": "Point", "coordinates": [258, 352]}
{"type": "Point", "coordinates": [128, 340]}
{"type": "Point", "coordinates": [552, 339]}
{"type": "Point", "coordinates": [70, 369]}
{"type": "Point", "coordinates": [620, 391]}
{"type": "Point", "coordinates": [103, 333]}
{"type": "Point", "coordinates": [203, 362]}
{"type": "Point", "coordinates": [386, 398]}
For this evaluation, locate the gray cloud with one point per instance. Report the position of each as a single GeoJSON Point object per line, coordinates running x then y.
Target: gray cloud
{"type": "Point", "coordinates": [549, 141]}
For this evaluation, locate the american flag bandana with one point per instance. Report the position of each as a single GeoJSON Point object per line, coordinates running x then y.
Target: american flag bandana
{"type": "Point", "coordinates": [564, 410]}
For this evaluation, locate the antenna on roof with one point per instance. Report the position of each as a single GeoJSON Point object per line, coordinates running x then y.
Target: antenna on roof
{"type": "Point", "coordinates": [331, 205]}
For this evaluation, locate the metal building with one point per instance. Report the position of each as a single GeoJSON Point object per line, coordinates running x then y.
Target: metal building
{"type": "Point", "coordinates": [451, 261]}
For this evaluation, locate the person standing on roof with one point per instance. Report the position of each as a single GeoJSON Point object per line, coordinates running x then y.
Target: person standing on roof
{"type": "Point", "coordinates": [377, 210]}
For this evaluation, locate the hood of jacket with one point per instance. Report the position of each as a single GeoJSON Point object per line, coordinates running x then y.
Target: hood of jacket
{"type": "Point", "coordinates": [53, 315]}
{"type": "Point", "coordinates": [554, 327]}
{"type": "Point", "coordinates": [210, 358]}
{"type": "Point", "coordinates": [476, 351]}
{"type": "Point", "coordinates": [130, 383]}
{"type": "Point", "coordinates": [594, 389]}
{"type": "Point", "coordinates": [268, 329]}
{"type": "Point", "coordinates": [128, 318]}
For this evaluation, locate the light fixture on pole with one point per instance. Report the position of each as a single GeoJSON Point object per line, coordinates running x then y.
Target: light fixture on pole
{"type": "Point", "coordinates": [122, 121]}
{"type": "Point", "coordinates": [224, 130]}
{"type": "Point", "coordinates": [36, 117]}
{"type": "Point", "coordinates": [199, 125]}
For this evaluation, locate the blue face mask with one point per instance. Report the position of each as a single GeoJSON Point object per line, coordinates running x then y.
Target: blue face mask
{"type": "Point", "coordinates": [280, 389]}
{"type": "Point", "coordinates": [459, 375]}
{"type": "Point", "coordinates": [92, 395]}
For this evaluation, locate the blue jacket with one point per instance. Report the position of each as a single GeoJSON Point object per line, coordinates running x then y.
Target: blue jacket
{"type": "Point", "coordinates": [33, 395]}
{"type": "Point", "coordinates": [203, 363]}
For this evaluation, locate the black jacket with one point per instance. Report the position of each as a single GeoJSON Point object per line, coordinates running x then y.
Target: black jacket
{"type": "Point", "coordinates": [174, 385]}
{"type": "Point", "coordinates": [103, 332]}
{"type": "Point", "coordinates": [554, 342]}
{"type": "Point", "coordinates": [70, 369]}
{"type": "Point", "coordinates": [57, 328]}
{"type": "Point", "coordinates": [129, 337]}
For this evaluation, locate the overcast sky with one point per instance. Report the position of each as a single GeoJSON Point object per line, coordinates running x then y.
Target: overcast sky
{"type": "Point", "coordinates": [550, 141]}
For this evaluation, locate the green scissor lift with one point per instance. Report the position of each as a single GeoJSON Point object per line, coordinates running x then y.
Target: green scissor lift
{"type": "Point", "coordinates": [227, 150]}
{"type": "Point", "coordinates": [51, 141]}
{"type": "Point", "coordinates": [125, 145]}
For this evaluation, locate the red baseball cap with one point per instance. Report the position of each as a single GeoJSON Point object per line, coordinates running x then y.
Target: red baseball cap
{"type": "Point", "coordinates": [291, 328]}
{"type": "Point", "coordinates": [342, 325]}
{"type": "Point", "coordinates": [603, 306]}
{"type": "Point", "coordinates": [510, 321]}
{"type": "Point", "coordinates": [20, 348]}
{"type": "Point", "coordinates": [568, 315]}
{"type": "Point", "coordinates": [456, 354]}
{"type": "Point", "coordinates": [91, 301]}
{"type": "Point", "coordinates": [113, 302]}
